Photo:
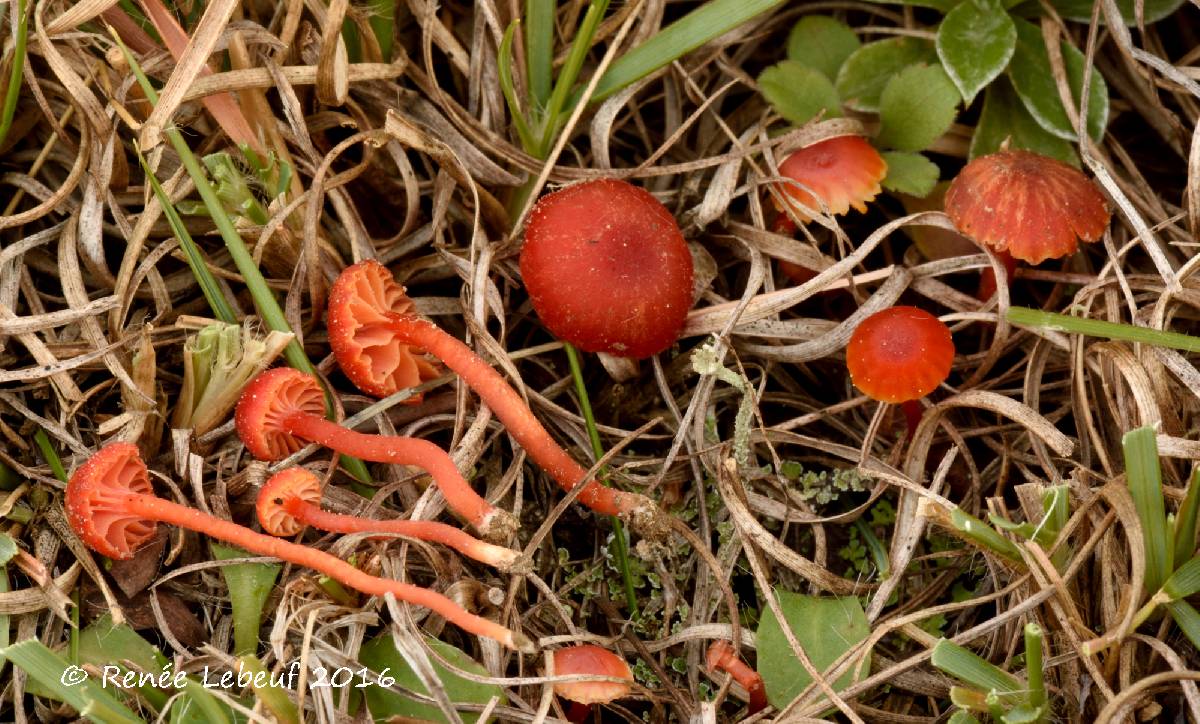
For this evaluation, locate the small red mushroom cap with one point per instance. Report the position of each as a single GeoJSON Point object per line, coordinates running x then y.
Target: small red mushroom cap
{"type": "Point", "coordinates": [607, 268]}
{"type": "Point", "coordinates": [899, 354]}
{"type": "Point", "coordinates": [843, 171]}
{"type": "Point", "coordinates": [594, 661]}
{"type": "Point", "coordinates": [285, 485]}
{"type": "Point", "coordinates": [1030, 205]}
{"type": "Point", "coordinates": [97, 496]}
{"type": "Point", "coordinates": [366, 349]}
{"type": "Point", "coordinates": [265, 404]}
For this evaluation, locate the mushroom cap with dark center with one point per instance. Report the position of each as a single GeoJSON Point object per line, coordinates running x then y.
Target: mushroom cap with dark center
{"type": "Point", "coordinates": [607, 268]}
{"type": "Point", "coordinates": [594, 661]}
{"type": "Point", "coordinates": [97, 496]}
{"type": "Point", "coordinates": [843, 171]}
{"type": "Point", "coordinates": [279, 488]}
{"type": "Point", "coordinates": [366, 349]}
{"type": "Point", "coordinates": [265, 404]}
{"type": "Point", "coordinates": [1032, 206]}
{"type": "Point", "coordinates": [899, 354]}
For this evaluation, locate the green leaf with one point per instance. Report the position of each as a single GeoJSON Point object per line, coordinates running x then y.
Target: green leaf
{"type": "Point", "coordinates": [917, 106]}
{"type": "Point", "coordinates": [975, 42]}
{"type": "Point", "coordinates": [968, 667]}
{"type": "Point", "coordinates": [1030, 73]}
{"type": "Point", "coordinates": [822, 43]}
{"type": "Point", "coordinates": [867, 71]}
{"type": "Point", "coordinates": [825, 627]}
{"type": "Point", "coordinates": [53, 671]}
{"type": "Point", "coordinates": [962, 717]}
{"type": "Point", "coordinates": [8, 548]}
{"type": "Point", "coordinates": [1055, 322]}
{"type": "Point", "coordinates": [1081, 10]}
{"type": "Point", "coordinates": [1185, 581]}
{"type": "Point", "coordinates": [1184, 533]}
{"type": "Point", "coordinates": [539, 49]}
{"type": "Point", "coordinates": [799, 93]}
{"type": "Point", "coordinates": [382, 657]}
{"type": "Point", "coordinates": [1187, 618]}
{"type": "Point", "coordinates": [1145, 485]}
{"type": "Point", "coordinates": [910, 173]}
{"type": "Point", "coordinates": [249, 585]}
{"type": "Point", "coordinates": [275, 698]}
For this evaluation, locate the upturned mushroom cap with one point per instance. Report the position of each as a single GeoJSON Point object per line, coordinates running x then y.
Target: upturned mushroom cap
{"type": "Point", "coordinates": [266, 402]}
{"type": "Point", "coordinates": [1032, 206]}
{"type": "Point", "coordinates": [97, 496]}
{"type": "Point", "coordinates": [843, 171]}
{"type": "Point", "coordinates": [293, 483]}
{"type": "Point", "coordinates": [899, 354]}
{"type": "Point", "coordinates": [594, 661]}
{"type": "Point", "coordinates": [367, 351]}
{"type": "Point", "coordinates": [607, 268]}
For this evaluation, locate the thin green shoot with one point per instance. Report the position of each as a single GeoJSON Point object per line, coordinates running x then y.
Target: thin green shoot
{"type": "Point", "coordinates": [1184, 532]}
{"type": "Point", "coordinates": [580, 47]}
{"type": "Point", "coordinates": [15, 75]}
{"type": "Point", "coordinates": [383, 24]}
{"type": "Point", "coordinates": [1033, 666]}
{"type": "Point", "coordinates": [1038, 319]}
{"type": "Point", "coordinates": [1144, 477]}
{"type": "Point", "coordinates": [50, 455]}
{"type": "Point", "coordinates": [504, 70]}
{"type": "Point", "coordinates": [539, 49]}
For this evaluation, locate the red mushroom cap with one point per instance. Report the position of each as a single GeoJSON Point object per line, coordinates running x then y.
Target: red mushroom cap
{"type": "Point", "coordinates": [285, 485]}
{"type": "Point", "coordinates": [843, 171]}
{"type": "Point", "coordinates": [899, 354]}
{"type": "Point", "coordinates": [96, 501]}
{"type": "Point", "coordinates": [1032, 206]}
{"type": "Point", "coordinates": [366, 349]}
{"type": "Point", "coordinates": [607, 268]}
{"type": "Point", "coordinates": [594, 661]}
{"type": "Point", "coordinates": [266, 402]}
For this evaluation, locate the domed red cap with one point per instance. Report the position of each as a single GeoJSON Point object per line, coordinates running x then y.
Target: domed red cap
{"type": "Point", "coordinates": [594, 661]}
{"type": "Point", "coordinates": [272, 503]}
{"type": "Point", "coordinates": [607, 268]}
{"type": "Point", "coordinates": [1030, 205]}
{"type": "Point", "coordinates": [366, 349]}
{"type": "Point", "coordinates": [843, 171]}
{"type": "Point", "coordinates": [899, 354]}
{"type": "Point", "coordinates": [97, 497]}
{"type": "Point", "coordinates": [266, 402]}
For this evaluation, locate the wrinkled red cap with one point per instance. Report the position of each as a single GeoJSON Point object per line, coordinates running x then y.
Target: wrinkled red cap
{"type": "Point", "coordinates": [594, 661]}
{"type": "Point", "coordinates": [607, 268]}
{"type": "Point", "coordinates": [97, 497]}
{"type": "Point", "coordinates": [367, 351]}
{"type": "Point", "coordinates": [265, 404]}
{"type": "Point", "coordinates": [899, 354]}
{"type": "Point", "coordinates": [1030, 205]}
{"type": "Point", "coordinates": [843, 171]}
{"type": "Point", "coordinates": [285, 485]}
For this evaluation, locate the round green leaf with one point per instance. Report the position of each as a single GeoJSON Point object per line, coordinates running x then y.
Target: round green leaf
{"type": "Point", "coordinates": [1081, 10]}
{"type": "Point", "coordinates": [1033, 80]}
{"type": "Point", "coordinates": [916, 107]}
{"type": "Point", "coordinates": [863, 76]}
{"type": "Point", "coordinates": [975, 42]}
{"type": "Point", "coordinates": [822, 43]}
{"type": "Point", "coordinates": [1005, 117]}
{"type": "Point", "coordinates": [798, 93]}
{"type": "Point", "coordinates": [910, 173]}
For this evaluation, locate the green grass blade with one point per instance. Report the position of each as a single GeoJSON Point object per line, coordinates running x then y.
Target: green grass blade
{"type": "Point", "coordinates": [249, 586]}
{"type": "Point", "coordinates": [1145, 486]}
{"type": "Point", "coordinates": [1185, 581]}
{"type": "Point", "coordinates": [983, 535]}
{"type": "Point", "coordinates": [504, 62]}
{"type": "Point", "coordinates": [1036, 318]}
{"type": "Point", "coordinates": [1184, 534]}
{"type": "Point", "coordinates": [383, 23]}
{"type": "Point", "coordinates": [539, 50]}
{"type": "Point", "coordinates": [878, 553]}
{"type": "Point", "coordinates": [49, 670]}
{"type": "Point", "coordinates": [1187, 618]}
{"type": "Point", "coordinates": [274, 698]}
{"type": "Point", "coordinates": [967, 666]}
{"type": "Point", "coordinates": [580, 47]}
{"type": "Point", "coordinates": [1033, 666]}
{"type": "Point", "coordinates": [50, 455]}
{"type": "Point", "coordinates": [709, 21]}
{"type": "Point", "coordinates": [13, 89]}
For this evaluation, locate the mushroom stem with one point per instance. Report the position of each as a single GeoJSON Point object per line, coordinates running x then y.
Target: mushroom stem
{"type": "Point", "coordinates": [154, 508]}
{"type": "Point", "coordinates": [516, 416]}
{"type": "Point", "coordinates": [578, 712]}
{"type": "Point", "coordinates": [461, 498]}
{"type": "Point", "coordinates": [722, 657]}
{"type": "Point", "coordinates": [308, 514]}
{"type": "Point", "coordinates": [913, 410]}
{"type": "Point", "coordinates": [987, 280]}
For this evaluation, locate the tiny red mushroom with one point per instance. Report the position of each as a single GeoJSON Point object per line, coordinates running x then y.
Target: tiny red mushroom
{"type": "Point", "coordinates": [111, 505]}
{"type": "Point", "coordinates": [899, 355]}
{"type": "Point", "coordinates": [291, 500]}
{"type": "Point", "coordinates": [607, 268]}
{"type": "Point", "coordinates": [590, 660]}
{"type": "Point", "coordinates": [283, 407]}
{"type": "Point", "coordinates": [722, 657]}
{"type": "Point", "coordinates": [1032, 206]}
{"type": "Point", "coordinates": [349, 325]}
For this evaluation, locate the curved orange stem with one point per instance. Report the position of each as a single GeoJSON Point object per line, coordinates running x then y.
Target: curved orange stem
{"type": "Point", "coordinates": [722, 657]}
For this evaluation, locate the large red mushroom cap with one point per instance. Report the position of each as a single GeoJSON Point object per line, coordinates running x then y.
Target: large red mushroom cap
{"type": "Point", "coordinates": [591, 660]}
{"type": "Point", "coordinates": [607, 268]}
{"type": "Point", "coordinates": [282, 487]}
{"type": "Point", "coordinates": [1030, 205]}
{"type": "Point", "coordinates": [843, 171]}
{"type": "Point", "coordinates": [266, 402]}
{"type": "Point", "coordinates": [367, 349]}
{"type": "Point", "coordinates": [97, 496]}
{"type": "Point", "coordinates": [899, 354]}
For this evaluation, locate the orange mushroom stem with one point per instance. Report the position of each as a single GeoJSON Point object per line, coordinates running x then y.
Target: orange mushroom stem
{"type": "Point", "coordinates": [291, 500]}
{"type": "Point", "coordinates": [362, 317]}
{"type": "Point", "coordinates": [111, 505]}
{"type": "Point", "coordinates": [722, 657]}
{"type": "Point", "coordinates": [283, 407]}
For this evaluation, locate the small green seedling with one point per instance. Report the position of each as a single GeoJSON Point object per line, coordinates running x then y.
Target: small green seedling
{"type": "Point", "coordinates": [991, 690]}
